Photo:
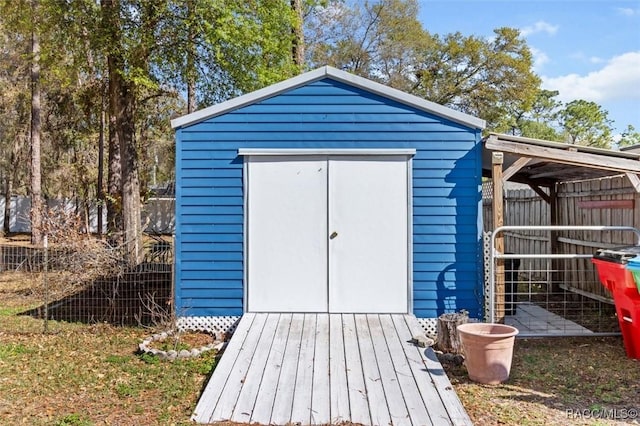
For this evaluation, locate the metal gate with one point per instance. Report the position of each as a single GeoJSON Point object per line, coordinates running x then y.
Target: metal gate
{"type": "Point", "coordinates": [549, 294]}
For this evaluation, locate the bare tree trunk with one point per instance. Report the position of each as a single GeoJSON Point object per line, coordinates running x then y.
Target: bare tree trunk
{"type": "Point", "coordinates": [12, 176]}
{"type": "Point", "coordinates": [36, 176]}
{"type": "Point", "coordinates": [110, 18]}
{"type": "Point", "coordinates": [191, 86]}
{"type": "Point", "coordinates": [114, 184]}
{"type": "Point", "coordinates": [191, 94]}
{"type": "Point", "coordinates": [191, 57]}
{"type": "Point", "coordinates": [130, 178]}
{"type": "Point", "coordinates": [100, 189]}
{"type": "Point", "coordinates": [124, 183]}
{"type": "Point", "coordinates": [297, 49]}
{"type": "Point", "coordinates": [8, 189]}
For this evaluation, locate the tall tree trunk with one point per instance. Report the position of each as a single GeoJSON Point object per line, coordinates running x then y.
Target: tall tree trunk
{"type": "Point", "coordinates": [131, 208]}
{"type": "Point", "coordinates": [191, 92]}
{"type": "Point", "coordinates": [12, 176]}
{"type": "Point", "coordinates": [191, 58]}
{"type": "Point", "coordinates": [36, 177]}
{"type": "Point", "coordinates": [8, 189]}
{"type": "Point", "coordinates": [122, 135]}
{"type": "Point", "coordinates": [114, 179]}
{"type": "Point", "coordinates": [100, 189]}
{"type": "Point", "coordinates": [297, 49]}
{"type": "Point", "coordinates": [110, 23]}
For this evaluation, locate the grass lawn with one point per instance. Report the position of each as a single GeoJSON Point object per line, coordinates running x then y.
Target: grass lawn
{"type": "Point", "coordinates": [558, 381]}
{"type": "Point", "coordinates": [80, 374]}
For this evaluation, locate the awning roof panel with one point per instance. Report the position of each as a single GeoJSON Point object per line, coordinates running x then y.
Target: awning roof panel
{"type": "Point", "coordinates": [553, 162]}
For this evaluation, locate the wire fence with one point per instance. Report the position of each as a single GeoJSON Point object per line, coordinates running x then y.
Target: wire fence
{"type": "Point", "coordinates": [543, 302]}
{"type": "Point", "coordinates": [551, 294]}
{"type": "Point", "coordinates": [87, 281]}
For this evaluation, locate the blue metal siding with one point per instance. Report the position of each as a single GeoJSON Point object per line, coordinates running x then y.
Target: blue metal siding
{"type": "Point", "coordinates": [447, 257]}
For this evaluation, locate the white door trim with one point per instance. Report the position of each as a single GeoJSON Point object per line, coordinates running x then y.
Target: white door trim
{"type": "Point", "coordinates": [331, 151]}
{"type": "Point", "coordinates": [247, 153]}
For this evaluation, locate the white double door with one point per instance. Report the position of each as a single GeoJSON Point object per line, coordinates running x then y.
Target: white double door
{"type": "Point", "coordinates": [327, 234]}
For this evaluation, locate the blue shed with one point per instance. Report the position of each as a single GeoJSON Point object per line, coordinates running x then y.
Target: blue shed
{"type": "Point", "coordinates": [327, 192]}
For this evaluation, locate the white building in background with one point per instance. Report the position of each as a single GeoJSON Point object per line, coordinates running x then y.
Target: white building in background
{"type": "Point", "coordinates": [157, 214]}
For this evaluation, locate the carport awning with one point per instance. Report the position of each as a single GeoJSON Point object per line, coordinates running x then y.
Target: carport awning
{"type": "Point", "coordinates": [541, 163]}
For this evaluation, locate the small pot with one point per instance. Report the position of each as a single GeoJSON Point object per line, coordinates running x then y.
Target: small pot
{"type": "Point", "coordinates": [488, 350]}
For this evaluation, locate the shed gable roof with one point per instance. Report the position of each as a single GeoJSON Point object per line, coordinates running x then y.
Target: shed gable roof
{"type": "Point", "coordinates": [334, 74]}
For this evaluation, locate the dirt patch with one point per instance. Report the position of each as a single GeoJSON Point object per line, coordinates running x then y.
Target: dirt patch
{"type": "Point", "coordinates": [19, 289]}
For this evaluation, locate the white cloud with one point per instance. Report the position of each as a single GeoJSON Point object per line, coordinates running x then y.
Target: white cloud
{"type": "Point", "coordinates": [619, 79]}
{"type": "Point", "coordinates": [539, 58]}
{"type": "Point", "coordinates": [539, 27]}
{"type": "Point", "coordinates": [596, 60]}
{"type": "Point", "coordinates": [626, 11]}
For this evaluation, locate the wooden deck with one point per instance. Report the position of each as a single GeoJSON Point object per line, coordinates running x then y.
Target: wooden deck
{"type": "Point", "coordinates": [316, 369]}
{"type": "Point", "coordinates": [533, 320]}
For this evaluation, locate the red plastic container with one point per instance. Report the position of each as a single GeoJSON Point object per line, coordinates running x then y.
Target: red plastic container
{"type": "Point", "coordinates": [611, 267]}
{"type": "Point", "coordinates": [628, 311]}
{"type": "Point", "coordinates": [614, 275]}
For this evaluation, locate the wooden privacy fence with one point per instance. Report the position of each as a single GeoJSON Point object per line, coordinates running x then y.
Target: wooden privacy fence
{"type": "Point", "coordinates": [600, 202]}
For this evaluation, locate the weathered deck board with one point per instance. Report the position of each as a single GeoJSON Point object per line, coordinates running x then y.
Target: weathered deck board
{"type": "Point", "coordinates": [377, 400]}
{"type": "Point", "coordinates": [236, 378]}
{"type": "Point", "coordinates": [395, 401]}
{"type": "Point", "coordinates": [211, 395]}
{"type": "Point", "coordinates": [410, 391]}
{"type": "Point", "coordinates": [247, 399]}
{"type": "Point", "coordinates": [304, 380]}
{"type": "Point", "coordinates": [355, 378]}
{"type": "Point", "coordinates": [320, 401]}
{"type": "Point", "coordinates": [448, 396]}
{"type": "Point", "coordinates": [338, 372]}
{"type": "Point", "coordinates": [287, 382]}
{"type": "Point", "coordinates": [266, 394]}
{"type": "Point", "coordinates": [437, 412]}
{"type": "Point", "coordinates": [328, 368]}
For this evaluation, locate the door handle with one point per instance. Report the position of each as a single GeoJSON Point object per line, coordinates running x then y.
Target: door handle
{"type": "Point", "coordinates": [333, 235]}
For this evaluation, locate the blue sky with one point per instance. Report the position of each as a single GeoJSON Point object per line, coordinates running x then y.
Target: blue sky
{"type": "Point", "coordinates": [586, 49]}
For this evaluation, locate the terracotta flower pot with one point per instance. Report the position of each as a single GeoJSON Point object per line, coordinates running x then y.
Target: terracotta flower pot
{"type": "Point", "coordinates": [488, 350]}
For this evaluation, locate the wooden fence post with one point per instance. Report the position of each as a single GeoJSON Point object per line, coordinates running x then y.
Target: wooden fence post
{"type": "Point", "coordinates": [554, 248]}
{"type": "Point", "coordinates": [497, 159]}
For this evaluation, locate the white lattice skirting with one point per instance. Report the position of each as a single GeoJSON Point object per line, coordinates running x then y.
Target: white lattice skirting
{"type": "Point", "coordinates": [215, 325]}
{"type": "Point", "coordinates": [227, 325]}
{"type": "Point", "coordinates": [429, 325]}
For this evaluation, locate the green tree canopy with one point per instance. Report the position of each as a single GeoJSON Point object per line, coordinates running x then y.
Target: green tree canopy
{"type": "Point", "coordinates": [541, 121]}
{"type": "Point", "coordinates": [380, 40]}
{"type": "Point", "coordinates": [629, 137]}
{"type": "Point", "coordinates": [384, 41]}
{"type": "Point", "coordinates": [132, 60]}
{"type": "Point", "coordinates": [586, 123]}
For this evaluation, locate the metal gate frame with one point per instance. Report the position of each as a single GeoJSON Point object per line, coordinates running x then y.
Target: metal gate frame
{"type": "Point", "coordinates": [496, 255]}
